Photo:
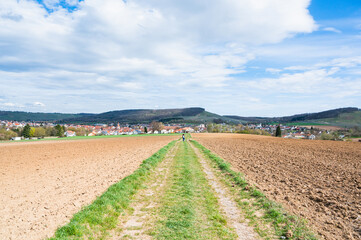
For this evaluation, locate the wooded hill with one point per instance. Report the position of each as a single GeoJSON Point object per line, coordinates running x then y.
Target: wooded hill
{"type": "Point", "coordinates": [37, 116]}
{"type": "Point", "coordinates": [345, 117]}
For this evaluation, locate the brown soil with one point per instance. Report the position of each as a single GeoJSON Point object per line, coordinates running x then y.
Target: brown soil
{"type": "Point", "coordinates": [318, 180]}
{"type": "Point", "coordinates": [44, 183]}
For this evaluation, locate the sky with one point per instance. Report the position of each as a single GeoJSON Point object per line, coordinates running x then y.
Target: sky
{"type": "Point", "coordinates": [234, 57]}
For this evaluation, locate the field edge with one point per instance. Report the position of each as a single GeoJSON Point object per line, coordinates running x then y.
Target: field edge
{"type": "Point", "coordinates": [101, 215]}
{"type": "Point", "coordinates": [285, 225]}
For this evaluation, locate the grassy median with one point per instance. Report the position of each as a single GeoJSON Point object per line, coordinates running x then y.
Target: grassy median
{"type": "Point", "coordinates": [189, 208]}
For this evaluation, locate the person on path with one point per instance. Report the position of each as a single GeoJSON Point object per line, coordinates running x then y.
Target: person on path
{"type": "Point", "coordinates": [184, 138]}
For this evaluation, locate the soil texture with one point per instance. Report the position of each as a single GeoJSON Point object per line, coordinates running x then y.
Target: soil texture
{"type": "Point", "coordinates": [44, 183]}
{"type": "Point", "coordinates": [317, 180]}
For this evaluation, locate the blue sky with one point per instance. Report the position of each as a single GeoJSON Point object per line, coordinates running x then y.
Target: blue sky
{"type": "Point", "coordinates": [241, 57]}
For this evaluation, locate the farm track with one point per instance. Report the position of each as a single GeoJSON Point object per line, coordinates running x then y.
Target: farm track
{"type": "Point", "coordinates": [227, 204]}
{"type": "Point", "coordinates": [318, 180]}
{"type": "Point", "coordinates": [183, 199]}
{"type": "Point", "coordinates": [136, 222]}
{"type": "Point", "coordinates": [44, 183]}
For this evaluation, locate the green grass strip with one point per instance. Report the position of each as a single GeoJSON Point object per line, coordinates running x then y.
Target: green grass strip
{"type": "Point", "coordinates": [189, 208]}
{"type": "Point", "coordinates": [285, 226]}
{"type": "Point", "coordinates": [89, 137]}
{"type": "Point", "coordinates": [93, 221]}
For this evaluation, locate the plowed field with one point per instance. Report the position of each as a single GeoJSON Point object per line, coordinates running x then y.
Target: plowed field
{"type": "Point", "coordinates": [44, 183]}
{"type": "Point", "coordinates": [318, 180]}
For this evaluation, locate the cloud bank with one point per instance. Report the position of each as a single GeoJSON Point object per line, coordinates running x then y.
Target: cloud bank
{"type": "Point", "coordinates": [95, 55]}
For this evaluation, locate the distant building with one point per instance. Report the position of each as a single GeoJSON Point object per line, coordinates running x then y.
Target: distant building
{"type": "Point", "coordinates": [70, 134]}
{"type": "Point", "coordinates": [16, 139]}
{"type": "Point", "coordinates": [92, 134]}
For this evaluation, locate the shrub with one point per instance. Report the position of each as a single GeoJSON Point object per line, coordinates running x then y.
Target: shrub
{"type": "Point", "coordinates": [7, 134]}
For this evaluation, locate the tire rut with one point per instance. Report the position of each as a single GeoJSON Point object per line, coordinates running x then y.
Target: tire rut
{"type": "Point", "coordinates": [227, 204]}
{"type": "Point", "coordinates": [138, 222]}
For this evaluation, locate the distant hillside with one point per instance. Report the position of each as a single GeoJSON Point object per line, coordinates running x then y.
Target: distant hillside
{"type": "Point", "coordinates": [335, 113]}
{"type": "Point", "coordinates": [208, 117]}
{"type": "Point", "coordinates": [345, 117]}
{"type": "Point", "coordinates": [29, 116]}
{"type": "Point", "coordinates": [349, 119]}
{"type": "Point", "coordinates": [181, 115]}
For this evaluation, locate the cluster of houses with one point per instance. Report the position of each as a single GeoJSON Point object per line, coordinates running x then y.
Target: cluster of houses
{"type": "Point", "coordinates": [292, 132]}
{"type": "Point", "coordinates": [132, 130]}
{"type": "Point", "coordinates": [104, 129]}
{"type": "Point", "coordinates": [21, 124]}
{"type": "Point", "coordinates": [299, 135]}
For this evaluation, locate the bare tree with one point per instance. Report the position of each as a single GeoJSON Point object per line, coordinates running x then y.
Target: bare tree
{"type": "Point", "coordinates": [156, 126]}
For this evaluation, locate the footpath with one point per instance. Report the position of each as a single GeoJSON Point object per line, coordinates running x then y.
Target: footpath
{"type": "Point", "coordinates": [183, 199]}
{"type": "Point", "coordinates": [184, 191]}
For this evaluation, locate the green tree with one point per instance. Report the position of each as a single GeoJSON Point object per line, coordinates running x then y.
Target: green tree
{"type": "Point", "coordinates": [39, 132]}
{"type": "Point", "coordinates": [59, 131]}
{"type": "Point", "coordinates": [209, 128]}
{"type": "Point", "coordinates": [216, 128]}
{"type": "Point", "coordinates": [26, 131]}
{"type": "Point", "coordinates": [50, 131]}
{"type": "Point", "coordinates": [32, 131]}
{"type": "Point", "coordinates": [326, 136]}
{"type": "Point", "coordinates": [278, 131]}
{"type": "Point", "coordinates": [17, 131]}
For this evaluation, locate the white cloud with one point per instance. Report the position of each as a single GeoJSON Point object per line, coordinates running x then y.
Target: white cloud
{"type": "Point", "coordinates": [10, 105]}
{"type": "Point", "coordinates": [39, 104]}
{"type": "Point", "coordinates": [336, 63]}
{"type": "Point", "coordinates": [273, 70]}
{"type": "Point", "coordinates": [130, 86]}
{"type": "Point", "coordinates": [51, 3]}
{"type": "Point", "coordinates": [116, 48]}
{"type": "Point", "coordinates": [324, 79]}
{"type": "Point", "coordinates": [331, 29]}
{"type": "Point", "coordinates": [306, 82]}
{"type": "Point", "coordinates": [138, 30]}
{"type": "Point", "coordinates": [72, 2]}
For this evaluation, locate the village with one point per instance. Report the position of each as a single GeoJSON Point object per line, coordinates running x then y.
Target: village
{"type": "Point", "coordinates": [72, 130]}
{"type": "Point", "coordinates": [287, 131]}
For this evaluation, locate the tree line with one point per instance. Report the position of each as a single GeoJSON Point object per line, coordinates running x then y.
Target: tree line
{"type": "Point", "coordinates": [39, 132]}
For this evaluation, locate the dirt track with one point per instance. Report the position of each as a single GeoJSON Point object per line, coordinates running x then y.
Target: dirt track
{"type": "Point", "coordinates": [44, 183]}
{"type": "Point", "coordinates": [319, 180]}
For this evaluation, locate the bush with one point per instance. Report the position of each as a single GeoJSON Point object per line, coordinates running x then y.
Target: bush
{"type": "Point", "coordinates": [326, 136]}
{"type": "Point", "coordinates": [39, 132]}
{"type": "Point", "coordinates": [7, 134]}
